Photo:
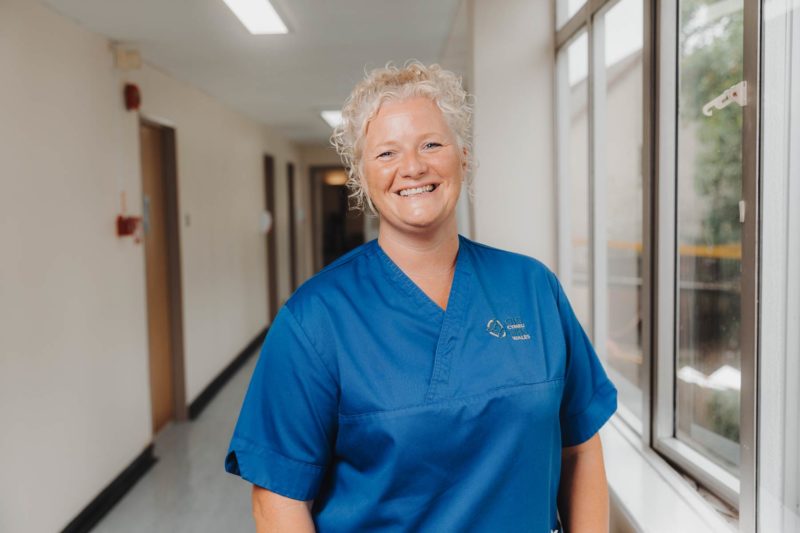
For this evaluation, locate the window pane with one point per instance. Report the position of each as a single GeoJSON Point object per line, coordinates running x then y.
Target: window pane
{"type": "Point", "coordinates": [576, 153]}
{"type": "Point", "coordinates": [708, 231]}
{"type": "Point", "coordinates": [622, 143]}
{"type": "Point", "coordinates": [565, 9]}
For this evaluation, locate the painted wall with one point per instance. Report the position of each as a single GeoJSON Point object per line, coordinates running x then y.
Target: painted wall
{"type": "Point", "coordinates": [512, 76]}
{"type": "Point", "coordinates": [74, 388]}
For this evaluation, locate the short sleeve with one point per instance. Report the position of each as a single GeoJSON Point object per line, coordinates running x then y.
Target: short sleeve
{"type": "Point", "coordinates": [285, 433]}
{"type": "Point", "coordinates": [589, 397]}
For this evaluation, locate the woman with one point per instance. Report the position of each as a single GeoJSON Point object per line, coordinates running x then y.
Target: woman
{"type": "Point", "coordinates": [423, 381]}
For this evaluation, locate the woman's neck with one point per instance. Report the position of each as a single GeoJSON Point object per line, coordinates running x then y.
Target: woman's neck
{"type": "Point", "coordinates": [424, 254]}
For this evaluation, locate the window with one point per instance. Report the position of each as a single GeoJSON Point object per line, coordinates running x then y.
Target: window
{"type": "Point", "coordinates": [573, 71]}
{"type": "Point", "coordinates": [565, 9]}
{"type": "Point", "coordinates": [658, 180]}
{"type": "Point", "coordinates": [706, 256]}
{"type": "Point", "coordinates": [618, 166]}
{"type": "Point", "coordinates": [600, 182]}
{"type": "Point", "coordinates": [709, 240]}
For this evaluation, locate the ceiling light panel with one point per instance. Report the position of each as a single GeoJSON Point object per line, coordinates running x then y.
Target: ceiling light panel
{"type": "Point", "coordinates": [258, 16]}
{"type": "Point", "coordinates": [333, 118]}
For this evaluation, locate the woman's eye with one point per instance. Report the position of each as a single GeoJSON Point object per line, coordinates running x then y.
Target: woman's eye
{"type": "Point", "coordinates": [384, 155]}
{"type": "Point", "coordinates": [432, 145]}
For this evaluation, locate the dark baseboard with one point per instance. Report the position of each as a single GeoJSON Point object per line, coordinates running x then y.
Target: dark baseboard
{"type": "Point", "coordinates": [203, 399]}
{"type": "Point", "coordinates": [102, 504]}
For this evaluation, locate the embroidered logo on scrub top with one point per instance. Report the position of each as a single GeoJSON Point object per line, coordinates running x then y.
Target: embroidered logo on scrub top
{"type": "Point", "coordinates": [496, 329]}
{"type": "Point", "coordinates": [516, 328]}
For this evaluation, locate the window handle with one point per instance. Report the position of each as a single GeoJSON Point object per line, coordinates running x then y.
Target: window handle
{"type": "Point", "coordinates": [736, 93]}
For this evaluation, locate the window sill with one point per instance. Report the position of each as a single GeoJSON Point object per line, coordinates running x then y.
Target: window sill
{"type": "Point", "coordinates": [648, 493]}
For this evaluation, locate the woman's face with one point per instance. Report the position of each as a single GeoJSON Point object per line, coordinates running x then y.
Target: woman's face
{"type": "Point", "coordinates": [411, 165]}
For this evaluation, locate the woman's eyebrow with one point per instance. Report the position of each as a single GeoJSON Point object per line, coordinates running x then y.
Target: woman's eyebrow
{"type": "Point", "coordinates": [391, 143]}
{"type": "Point", "coordinates": [385, 144]}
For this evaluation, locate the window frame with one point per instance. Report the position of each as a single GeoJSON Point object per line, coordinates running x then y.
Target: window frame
{"type": "Point", "coordinates": [779, 427]}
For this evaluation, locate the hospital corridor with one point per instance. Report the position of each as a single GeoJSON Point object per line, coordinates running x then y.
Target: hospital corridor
{"type": "Point", "coordinates": [407, 261]}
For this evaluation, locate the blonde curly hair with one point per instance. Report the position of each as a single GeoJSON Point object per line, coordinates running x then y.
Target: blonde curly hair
{"type": "Point", "coordinates": [394, 83]}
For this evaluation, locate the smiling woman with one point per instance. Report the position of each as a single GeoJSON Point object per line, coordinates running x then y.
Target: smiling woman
{"type": "Point", "coordinates": [423, 381]}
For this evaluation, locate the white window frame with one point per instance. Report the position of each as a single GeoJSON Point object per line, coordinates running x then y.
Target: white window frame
{"type": "Point", "coordinates": [779, 427]}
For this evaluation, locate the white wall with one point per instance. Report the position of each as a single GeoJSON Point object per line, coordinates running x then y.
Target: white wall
{"type": "Point", "coordinates": [74, 389]}
{"type": "Point", "coordinates": [513, 72]}
{"type": "Point", "coordinates": [457, 51]}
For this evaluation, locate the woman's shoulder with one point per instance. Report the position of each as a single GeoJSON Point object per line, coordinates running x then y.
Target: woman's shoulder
{"type": "Point", "coordinates": [348, 258]}
{"type": "Point", "coordinates": [332, 279]}
{"type": "Point", "coordinates": [315, 304]}
{"type": "Point", "coordinates": [509, 261]}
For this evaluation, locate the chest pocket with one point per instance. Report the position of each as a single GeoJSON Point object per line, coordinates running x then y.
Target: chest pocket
{"type": "Point", "coordinates": [524, 349]}
{"type": "Point", "coordinates": [504, 350]}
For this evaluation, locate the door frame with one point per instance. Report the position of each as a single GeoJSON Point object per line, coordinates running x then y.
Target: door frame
{"type": "Point", "coordinates": [292, 226]}
{"type": "Point", "coordinates": [315, 218]}
{"type": "Point", "coordinates": [271, 238]}
{"type": "Point", "coordinates": [172, 218]}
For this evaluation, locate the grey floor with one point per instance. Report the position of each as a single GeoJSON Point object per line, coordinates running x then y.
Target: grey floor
{"type": "Point", "coordinates": [188, 490]}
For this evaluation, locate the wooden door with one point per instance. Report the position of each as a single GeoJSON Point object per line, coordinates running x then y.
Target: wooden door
{"type": "Point", "coordinates": [272, 266]}
{"type": "Point", "coordinates": [159, 326]}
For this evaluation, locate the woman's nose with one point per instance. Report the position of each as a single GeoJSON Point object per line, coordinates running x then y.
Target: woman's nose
{"type": "Point", "coordinates": [413, 166]}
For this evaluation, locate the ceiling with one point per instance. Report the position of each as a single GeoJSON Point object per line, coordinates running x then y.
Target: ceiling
{"type": "Point", "coordinates": [283, 81]}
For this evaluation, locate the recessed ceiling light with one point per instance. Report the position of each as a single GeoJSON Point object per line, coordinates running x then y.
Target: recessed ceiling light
{"type": "Point", "coordinates": [258, 16]}
{"type": "Point", "coordinates": [333, 118]}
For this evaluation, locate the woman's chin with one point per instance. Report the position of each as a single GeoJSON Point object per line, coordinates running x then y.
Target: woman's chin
{"type": "Point", "coordinates": [418, 219]}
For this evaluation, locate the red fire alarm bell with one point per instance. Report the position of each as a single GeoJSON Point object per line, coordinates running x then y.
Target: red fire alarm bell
{"type": "Point", "coordinates": [128, 226]}
{"type": "Point", "coordinates": [133, 97]}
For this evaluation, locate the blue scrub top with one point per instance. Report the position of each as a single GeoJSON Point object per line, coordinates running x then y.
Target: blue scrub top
{"type": "Point", "coordinates": [395, 415]}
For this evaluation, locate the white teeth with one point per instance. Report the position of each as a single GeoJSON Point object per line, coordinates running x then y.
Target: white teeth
{"type": "Point", "coordinates": [417, 190]}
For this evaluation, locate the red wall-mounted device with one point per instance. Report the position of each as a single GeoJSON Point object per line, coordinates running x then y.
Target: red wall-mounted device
{"type": "Point", "coordinates": [133, 98]}
{"type": "Point", "coordinates": [128, 226]}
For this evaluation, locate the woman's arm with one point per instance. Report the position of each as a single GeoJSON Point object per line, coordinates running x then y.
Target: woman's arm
{"type": "Point", "coordinates": [583, 492]}
{"type": "Point", "coordinates": [274, 513]}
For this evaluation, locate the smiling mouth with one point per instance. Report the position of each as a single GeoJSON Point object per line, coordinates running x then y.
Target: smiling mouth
{"type": "Point", "coordinates": [417, 190]}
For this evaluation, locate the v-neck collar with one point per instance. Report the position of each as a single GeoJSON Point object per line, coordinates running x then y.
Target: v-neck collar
{"type": "Point", "coordinates": [415, 291]}
{"type": "Point", "coordinates": [451, 320]}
